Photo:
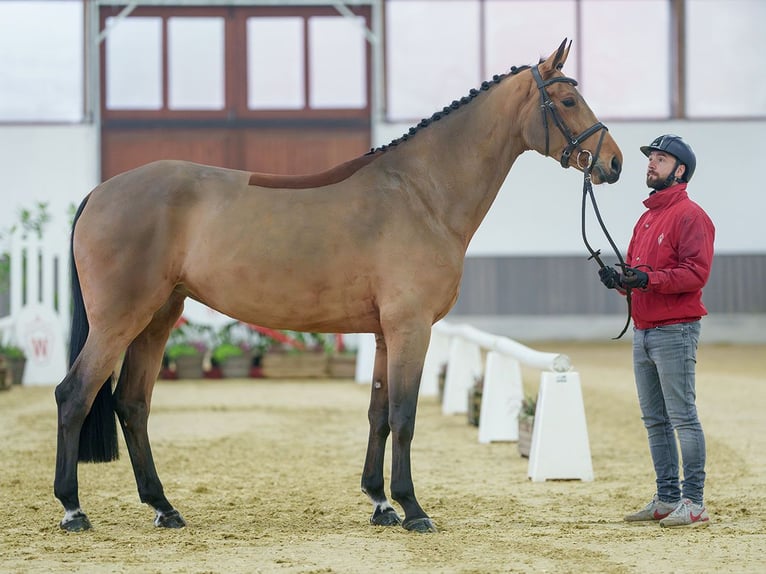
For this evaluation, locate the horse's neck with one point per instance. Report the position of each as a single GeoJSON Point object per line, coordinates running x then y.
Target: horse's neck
{"type": "Point", "coordinates": [469, 154]}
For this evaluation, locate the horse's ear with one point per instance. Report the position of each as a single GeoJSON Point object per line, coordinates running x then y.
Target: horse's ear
{"type": "Point", "coordinates": [556, 60]}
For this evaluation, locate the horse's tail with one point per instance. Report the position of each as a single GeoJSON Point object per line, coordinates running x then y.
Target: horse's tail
{"type": "Point", "coordinates": [98, 437]}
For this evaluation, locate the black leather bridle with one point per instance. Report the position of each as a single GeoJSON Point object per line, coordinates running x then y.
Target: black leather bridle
{"type": "Point", "coordinates": [575, 143]}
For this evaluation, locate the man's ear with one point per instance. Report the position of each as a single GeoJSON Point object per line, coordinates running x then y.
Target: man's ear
{"type": "Point", "coordinates": [682, 169]}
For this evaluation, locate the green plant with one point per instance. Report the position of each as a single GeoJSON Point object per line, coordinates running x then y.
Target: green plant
{"type": "Point", "coordinates": [11, 351]}
{"type": "Point", "coordinates": [225, 351]}
{"type": "Point", "coordinates": [186, 340]}
{"type": "Point", "coordinates": [31, 221]}
{"type": "Point", "coordinates": [174, 351]}
{"type": "Point", "coordinates": [528, 407]}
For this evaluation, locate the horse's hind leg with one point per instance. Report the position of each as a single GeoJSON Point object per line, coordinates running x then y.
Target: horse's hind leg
{"type": "Point", "coordinates": [75, 397]}
{"type": "Point", "coordinates": [383, 514]}
{"type": "Point", "coordinates": [133, 402]}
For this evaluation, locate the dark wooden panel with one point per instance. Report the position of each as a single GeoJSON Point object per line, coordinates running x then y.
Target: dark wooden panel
{"type": "Point", "coordinates": [301, 151]}
{"type": "Point", "coordinates": [126, 149]}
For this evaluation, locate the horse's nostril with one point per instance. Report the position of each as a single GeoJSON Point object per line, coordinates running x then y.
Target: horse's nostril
{"type": "Point", "coordinates": [616, 167]}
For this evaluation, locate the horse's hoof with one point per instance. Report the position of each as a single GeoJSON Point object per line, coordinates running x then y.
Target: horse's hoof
{"type": "Point", "coordinates": [387, 517]}
{"type": "Point", "coordinates": [77, 522]}
{"type": "Point", "coordinates": [420, 525]}
{"type": "Point", "coordinates": [172, 519]}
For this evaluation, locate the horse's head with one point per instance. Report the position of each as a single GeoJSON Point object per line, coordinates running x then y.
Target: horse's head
{"type": "Point", "coordinates": [559, 123]}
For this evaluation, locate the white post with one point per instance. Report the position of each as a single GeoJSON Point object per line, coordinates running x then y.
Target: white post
{"type": "Point", "coordinates": [463, 367]}
{"type": "Point", "coordinates": [560, 448]}
{"type": "Point", "coordinates": [501, 399]}
{"type": "Point", "coordinates": [436, 356]}
{"type": "Point", "coordinates": [365, 358]}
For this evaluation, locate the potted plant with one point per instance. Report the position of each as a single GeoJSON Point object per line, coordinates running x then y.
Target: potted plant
{"type": "Point", "coordinates": [15, 360]}
{"type": "Point", "coordinates": [235, 349]}
{"type": "Point", "coordinates": [442, 379]}
{"type": "Point", "coordinates": [296, 355]}
{"type": "Point", "coordinates": [474, 400]}
{"type": "Point", "coordinates": [185, 350]}
{"type": "Point", "coordinates": [526, 424]}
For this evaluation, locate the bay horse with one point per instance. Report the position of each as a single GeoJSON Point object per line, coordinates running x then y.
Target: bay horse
{"type": "Point", "coordinates": [375, 245]}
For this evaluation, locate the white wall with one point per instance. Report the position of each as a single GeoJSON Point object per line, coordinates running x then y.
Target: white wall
{"type": "Point", "coordinates": [57, 164]}
{"type": "Point", "coordinates": [538, 210]}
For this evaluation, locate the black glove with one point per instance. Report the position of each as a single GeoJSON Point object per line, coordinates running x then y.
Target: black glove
{"type": "Point", "coordinates": [634, 278]}
{"type": "Point", "coordinates": [609, 277]}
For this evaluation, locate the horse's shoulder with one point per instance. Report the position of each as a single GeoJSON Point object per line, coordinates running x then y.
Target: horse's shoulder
{"type": "Point", "coordinates": [327, 177]}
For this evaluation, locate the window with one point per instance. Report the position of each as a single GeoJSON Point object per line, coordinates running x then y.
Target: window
{"type": "Point", "coordinates": [726, 70]}
{"type": "Point", "coordinates": [337, 62]}
{"type": "Point", "coordinates": [430, 65]}
{"type": "Point", "coordinates": [41, 66]}
{"type": "Point", "coordinates": [626, 57]}
{"type": "Point", "coordinates": [275, 63]}
{"type": "Point", "coordinates": [512, 28]}
{"type": "Point", "coordinates": [196, 63]}
{"type": "Point", "coordinates": [134, 64]}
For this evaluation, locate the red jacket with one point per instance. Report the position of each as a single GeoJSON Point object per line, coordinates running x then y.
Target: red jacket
{"type": "Point", "coordinates": [672, 242]}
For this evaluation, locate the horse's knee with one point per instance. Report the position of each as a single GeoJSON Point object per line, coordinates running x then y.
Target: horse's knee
{"type": "Point", "coordinates": [403, 429]}
{"type": "Point", "coordinates": [130, 411]}
{"type": "Point", "coordinates": [71, 404]}
{"type": "Point", "coordinates": [379, 425]}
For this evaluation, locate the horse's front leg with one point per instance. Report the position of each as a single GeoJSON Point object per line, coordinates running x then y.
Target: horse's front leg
{"type": "Point", "coordinates": [383, 514]}
{"type": "Point", "coordinates": [406, 353]}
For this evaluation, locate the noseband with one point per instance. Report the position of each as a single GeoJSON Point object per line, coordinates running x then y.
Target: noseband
{"type": "Point", "coordinates": [547, 106]}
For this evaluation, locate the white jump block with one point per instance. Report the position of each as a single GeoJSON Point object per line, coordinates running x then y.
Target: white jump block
{"type": "Point", "coordinates": [560, 448]}
{"type": "Point", "coordinates": [501, 399]}
{"type": "Point", "coordinates": [436, 356]}
{"type": "Point", "coordinates": [39, 333]}
{"type": "Point", "coordinates": [365, 358]}
{"type": "Point", "coordinates": [464, 366]}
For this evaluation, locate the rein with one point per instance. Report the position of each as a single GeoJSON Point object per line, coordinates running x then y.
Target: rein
{"type": "Point", "coordinates": [547, 106]}
{"type": "Point", "coordinates": [587, 191]}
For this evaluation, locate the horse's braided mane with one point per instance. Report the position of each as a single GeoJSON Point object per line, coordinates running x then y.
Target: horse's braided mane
{"type": "Point", "coordinates": [496, 79]}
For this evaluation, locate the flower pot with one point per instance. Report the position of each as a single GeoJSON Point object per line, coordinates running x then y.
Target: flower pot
{"type": "Point", "coordinates": [189, 367]}
{"type": "Point", "coordinates": [474, 406]}
{"type": "Point", "coordinates": [237, 367]}
{"type": "Point", "coordinates": [342, 366]}
{"type": "Point", "coordinates": [15, 367]}
{"type": "Point", "coordinates": [302, 365]}
{"type": "Point", "coordinates": [526, 424]}
{"type": "Point", "coordinates": [442, 379]}
{"type": "Point", "coordinates": [5, 376]}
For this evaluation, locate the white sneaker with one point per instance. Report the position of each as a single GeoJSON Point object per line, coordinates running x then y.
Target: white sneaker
{"type": "Point", "coordinates": [655, 510]}
{"type": "Point", "coordinates": [687, 513]}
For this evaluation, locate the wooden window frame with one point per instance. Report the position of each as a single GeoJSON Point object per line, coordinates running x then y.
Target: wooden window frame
{"type": "Point", "coordinates": [235, 65]}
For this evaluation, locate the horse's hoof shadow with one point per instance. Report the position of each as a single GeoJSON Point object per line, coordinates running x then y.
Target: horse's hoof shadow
{"type": "Point", "coordinates": [76, 523]}
{"type": "Point", "coordinates": [387, 517]}
{"type": "Point", "coordinates": [423, 525]}
{"type": "Point", "coordinates": [172, 519]}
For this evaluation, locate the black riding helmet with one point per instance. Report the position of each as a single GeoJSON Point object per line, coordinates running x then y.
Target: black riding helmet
{"type": "Point", "coordinates": [676, 147]}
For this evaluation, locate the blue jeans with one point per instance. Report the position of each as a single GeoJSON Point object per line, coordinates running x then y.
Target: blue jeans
{"type": "Point", "coordinates": [664, 359]}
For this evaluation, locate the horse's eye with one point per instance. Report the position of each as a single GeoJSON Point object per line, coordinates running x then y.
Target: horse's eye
{"type": "Point", "coordinates": [569, 102]}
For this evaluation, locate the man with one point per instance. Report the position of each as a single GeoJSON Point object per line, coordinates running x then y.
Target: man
{"type": "Point", "coordinates": [668, 263]}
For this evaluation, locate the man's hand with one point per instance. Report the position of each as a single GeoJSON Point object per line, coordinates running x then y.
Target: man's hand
{"type": "Point", "coordinates": [609, 277]}
{"type": "Point", "coordinates": [634, 278]}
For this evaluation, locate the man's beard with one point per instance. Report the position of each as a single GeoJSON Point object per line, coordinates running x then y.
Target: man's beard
{"type": "Point", "coordinates": [656, 183]}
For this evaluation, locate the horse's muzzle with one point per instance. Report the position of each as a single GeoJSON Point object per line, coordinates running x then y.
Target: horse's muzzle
{"type": "Point", "coordinates": [611, 174]}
